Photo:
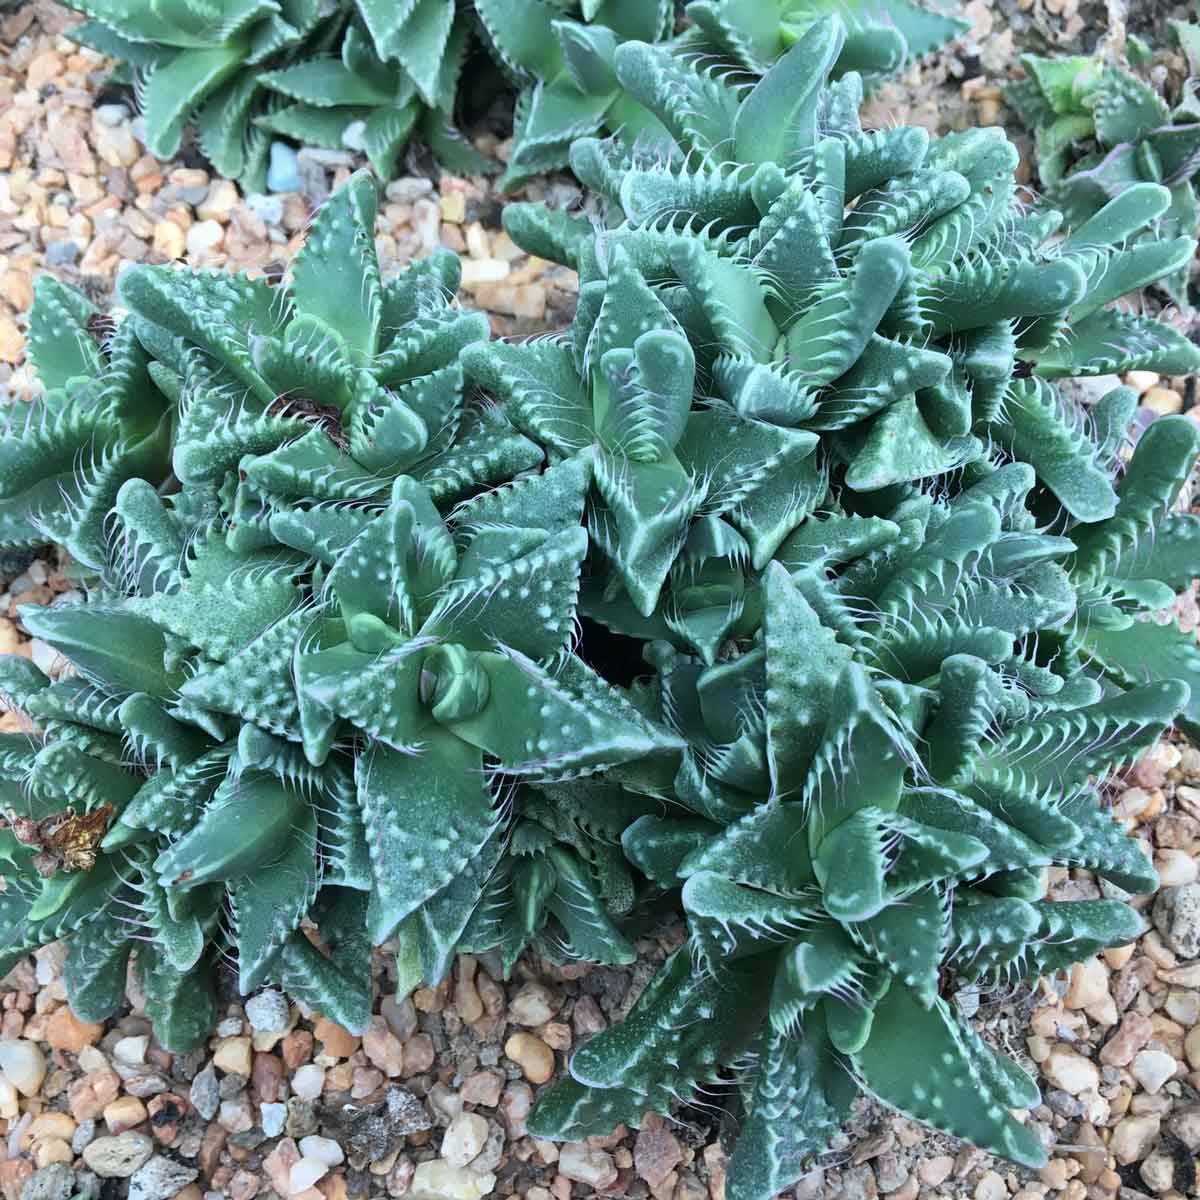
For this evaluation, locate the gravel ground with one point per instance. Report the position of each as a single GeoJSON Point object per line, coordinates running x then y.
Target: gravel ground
{"type": "Point", "coordinates": [431, 1102]}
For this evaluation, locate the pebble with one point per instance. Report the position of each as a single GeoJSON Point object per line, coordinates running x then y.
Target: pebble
{"type": "Point", "coordinates": [1177, 918]}
{"type": "Point", "coordinates": [532, 1055]}
{"type": "Point", "coordinates": [268, 1012]}
{"type": "Point", "coordinates": [1132, 1138]}
{"type": "Point", "coordinates": [118, 1157]}
{"type": "Point", "coordinates": [383, 1048]}
{"type": "Point", "coordinates": [1070, 1071]}
{"type": "Point", "coordinates": [584, 1164]}
{"type": "Point", "coordinates": [533, 1005]}
{"type": "Point", "coordinates": [464, 1138]}
{"type": "Point", "coordinates": [990, 1187]}
{"type": "Point", "coordinates": [439, 1180]}
{"type": "Point", "coordinates": [203, 238]}
{"type": "Point", "coordinates": [272, 1118]}
{"type": "Point", "coordinates": [205, 1093]}
{"type": "Point", "coordinates": [55, 1181]}
{"type": "Point", "coordinates": [62, 253]}
{"type": "Point", "coordinates": [1152, 1068]}
{"type": "Point", "coordinates": [232, 1056]}
{"type": "Point", "coordinates": [305, 1173]}
{"type": "Point", "coordinates": [308, 1081]}
{"type": "Point", "coordinates": [269, 209]}
{"type": "Point", "coordinates": [124, 1113]}
{"type": "Point", "coordinates": [483, 1088]}
{"type": "Point", "coordinates": [161, 1178]}
{"type": "Point", "coordinates": [656, 1153]}
{"type": "Point", "coordinates": [10, 1104]}
{"type": "Point", "coordinates": [1089, 984]}
{"type": "Point", "coordinates": [323, 1149]}
{"type": "Point", "coordinates": [283, 173]}
{"type": "Point", "coordinates": [131, 1050]}
{"type": "Point", "coordinates": [335, 1040]}
{"type": "Point", "coordinates": [23, 1064]}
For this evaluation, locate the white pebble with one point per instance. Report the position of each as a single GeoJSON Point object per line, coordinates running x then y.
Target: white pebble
{"type": "Point", "coordinates": [464, 1139]}
{"type": "Point", "coordinates": [308, 1081]}
{"type": "Point", "coordinates": [1152, 1068]}
{"type": "Point", "coordinates": [323, 1149]}
{"type": "Point", "coordinates": [131, 1050]}
{"type": "Point", "coordinates": [23, 1064]}
{"type": "Point", "coordinates": [272, 1117]}
{"type": "Point", "coordinates": [305, 1173]}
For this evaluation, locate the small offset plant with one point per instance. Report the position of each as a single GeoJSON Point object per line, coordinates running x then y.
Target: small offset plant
{"type": "Point", "coordinates": [1099, 130]}
{"type": "Point", "coordinates": [326, 675]}
{"type": "Point", "coordinates": [346, 75]}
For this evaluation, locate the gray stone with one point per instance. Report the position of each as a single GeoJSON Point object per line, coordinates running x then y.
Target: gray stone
{"type": "Point", "coordinates": [268, 209]}
{"type": "Point", "coordinates": [205, 1093]}
{"type": "Point", "coordinates": [267, 1012]}
{"type": "Point", "coordinates": [62, 253]}
{"type": "Point", "coordinates": [85, 1131]}
{"type": "Point", "coordinates": [161, 1178]}
{"type": "Point", "coordinates": [373, 1131]}
{"type": "Point", "coordinates": [283, 174]}
{"type": "Point", "coordinates": [1177, 918]}
{"type": "Point", "coordinates": [111, 114]}
{"type": "Point", "coordinates": [54, 1182]}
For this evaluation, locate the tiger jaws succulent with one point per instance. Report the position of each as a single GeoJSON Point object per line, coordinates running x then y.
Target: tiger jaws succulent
{"type": "Point", "coordinates": [903, 679]}
{"type": "Point", "coordinates": [1100, 130]}
{"type": "Point", "coordinates": [323, 692]}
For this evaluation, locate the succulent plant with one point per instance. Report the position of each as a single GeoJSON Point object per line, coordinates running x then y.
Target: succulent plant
{"type": "Point", "coordinates": [938, 628]}
{"type": "Point", "coordinates": [870, 792]}
{"type": "Point", "coordinates": [880, 35]}
{"type": "Point", "coordinates": [360, 75]}
{"type": "Point", "coordinates": [325, 675]}
{"type": "Point", "coordinates": [1099, 130]}
{"type": "Point", "coordinates": [202, 62]}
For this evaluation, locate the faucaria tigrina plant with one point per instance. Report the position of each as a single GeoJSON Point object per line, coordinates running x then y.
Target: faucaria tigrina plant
{"type": "Point", "coordinates": [897, 603]}
{"type": "Point", "coordinates": [338, 647]}
{"type": "Point", "coordinates": [368, 74]}
{"type": "Point", "coordinates": [803, 452]}
{"type": "Point", "coordinates": [1099, 129]}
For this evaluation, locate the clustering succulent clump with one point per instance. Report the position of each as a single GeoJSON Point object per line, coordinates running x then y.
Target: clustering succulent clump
{"type": "Point", "coordinates": [801, 468]}
{"type": "Point", "coordinates": [338, 646]}
{"type": "Point", "coordinates": [896, 593]}
{"type": "Point", "coordinates": [1099, 130]}
{"type": "Point", "coordinates": [368, 74]}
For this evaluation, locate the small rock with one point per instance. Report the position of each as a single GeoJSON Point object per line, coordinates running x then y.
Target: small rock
{"type": "Point", "coordinates": [131, 1050]}
{"type": "Point", "coordinates": [272, 1118]}
{"type": "Point", "coordinates": [534, 1057]}
{"type": "Point", "coordinates": [439, 1180]}
{"type": "Point", "coordinates": [464, 1138]}
{"type": "Point", "coordinates": [233, 1056]}
{"type": "Point", "coordinates": [118, 1157]}
{"type": "Point", "coordinates": [308, 1081]}
{"type": "Point", "coordinates": [1152, 1068]}
{"type": "Point", "coordinates": [237, 1114]}
{"type": "Point", "coordinates": [23, 1064]}
{"type": "Point", "coordinates": [400, 1016]}
{"type": "Point", "coordinates": [1071, 1071]}
{"type": "Point", "coordinates": [656, 1153]}
{"type": "Point", "coordinates": [62, 253]}
{"type": "Point", "coordinates": [582, 1163]}
{"type": "Point", "coordinates": [1132, 1138]}
{"type": "Point", "coordinates": [1089, 984]}
{"type": "Point", "coordinates": [161, 1178]}
{"type": "Point", "coordinates": [1177, 918]}
{"type": "Point", "coordinates": [203, 238]}
{"type": "Point", "coordinates": [323, 1149]}
{"type": "Point", "coordinates": [1158, 1171]}
{"type": "Point", "coordinates": [936, 1170]}
{"type": "Point", "coordinates": [483, 1087]}
{"type": "Point", "coordinates": [205, 1093]}
{"type": "Point", "coordinates": [383, 1048]}
{"type": "Point", "coordinates": [124, 1113]}
{"type": "Point", "coordinates": [1132, 1035]}
{"type": "Point", "coordinates": [990, 1187]}
{"type": "Point", "coordinates": [267, 1012]}
{"type": "Point", "coordinates": [335, 1041]}
{"type": "Point", "coordinates": [54, 1182]}
{"type": "Point", "coordinates": [217, 205]}
{"type": "Point", "coordinates": [283, 174]}
{"type": "Point", "coordinates": [305, 1173]}
{"type": "Point", "coordinates": [533, 1005]}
